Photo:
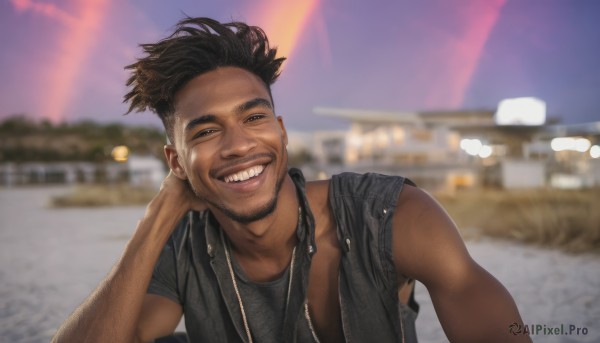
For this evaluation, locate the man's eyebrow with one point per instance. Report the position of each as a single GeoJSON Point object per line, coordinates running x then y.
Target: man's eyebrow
{"type": "Point", "coordinates": [210, 118]}
{"type": "Point", "coordinates": [207, 118]}
{"type": "Point", "coordinates": [256, 102]}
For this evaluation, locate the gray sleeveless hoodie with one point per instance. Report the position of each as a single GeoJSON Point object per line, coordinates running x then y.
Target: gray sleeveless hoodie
{"type": "Point", "coordinates": [193, 272]}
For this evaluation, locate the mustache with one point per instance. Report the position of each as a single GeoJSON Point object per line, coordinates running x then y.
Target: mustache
{"type": "Point", "coordinates": [232, 163]}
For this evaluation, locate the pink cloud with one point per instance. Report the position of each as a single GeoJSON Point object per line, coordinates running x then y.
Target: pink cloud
{"type": "Point", "coordinates": [447, 69]}
{"type": "Point", "coordinates": [284, 22]}
{"type": "Point", "coordinates": [73, 48]}
{"type": "Point", "coordinates": [45, 9]}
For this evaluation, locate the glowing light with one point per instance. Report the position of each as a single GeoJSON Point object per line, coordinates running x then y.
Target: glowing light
{"type": "Point", "coordinates": [471, 146]}
{"type": "Point", "coordinates": [560, 143]}
{"type": "Point", "coordinates": [595, 151]}
{"type": "Point", "coordinates": [570, 143]}
{"type": "Point", "coordinates": [582, 144]}
{"type": "Point", "coordinates": [464, 143]}
{"type": "Point", "coordinates": [521, 111]}
{"type": "Point", "coordinates": [120, 153]}
{"type": "Point", "coordinates": [485, 152]}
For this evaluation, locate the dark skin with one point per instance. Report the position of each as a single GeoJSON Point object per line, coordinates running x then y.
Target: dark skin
{"type": "Point", "coordinates": [225, 124]}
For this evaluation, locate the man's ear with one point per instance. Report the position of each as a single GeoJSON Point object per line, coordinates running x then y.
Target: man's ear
{"type": "Point", "coordinates": [285, 137]}
{"type": "Point", "coordinates": [173, 160]}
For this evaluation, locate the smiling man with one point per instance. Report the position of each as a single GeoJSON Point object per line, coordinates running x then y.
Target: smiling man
{"type": "Point", "coordinates": [232, 146]}
{"type": "Point", "coordinates": [247, 250]}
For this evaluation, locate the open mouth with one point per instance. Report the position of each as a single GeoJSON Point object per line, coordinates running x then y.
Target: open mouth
{"type": "Point", "coordinates": [244, 175]}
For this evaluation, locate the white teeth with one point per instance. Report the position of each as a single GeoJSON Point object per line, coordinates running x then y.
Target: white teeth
{"type": "Point", "coordinates": [245, 174]}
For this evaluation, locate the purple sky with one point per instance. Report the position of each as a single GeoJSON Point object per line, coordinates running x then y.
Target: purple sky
{"type": "Point", "coordinates": [64, 59]}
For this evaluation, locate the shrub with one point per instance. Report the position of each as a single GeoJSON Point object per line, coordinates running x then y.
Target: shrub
{"type": "Point", "coordinates": [566, 219]}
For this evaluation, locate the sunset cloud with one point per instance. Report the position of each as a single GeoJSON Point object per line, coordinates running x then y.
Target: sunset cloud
{"type": "Point", "coordinates": [75, 42]}
{"type": "Point", "coordinates": [63, 59]}
{"type": "Point", "coordinates": [283, 21]}
{"type": "Point", "coordinates": [457, 56]}
{"type": "Point", "coordinates": [46, 9]}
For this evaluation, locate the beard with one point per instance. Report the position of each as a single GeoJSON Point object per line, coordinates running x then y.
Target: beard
{"type": "Point", "coordinates": [246, 218]}
{"type": "Point", "coordinates": [257, 214]}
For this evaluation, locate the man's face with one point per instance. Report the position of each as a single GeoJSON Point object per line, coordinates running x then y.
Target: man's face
{"type": "Point", "coordinates": [230, 145]}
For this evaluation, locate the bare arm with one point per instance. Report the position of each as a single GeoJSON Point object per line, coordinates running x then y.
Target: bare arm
{"type": "Point", "coordinates": [471, 304]}
{"type": "Point", "coordinates": [119, 310]}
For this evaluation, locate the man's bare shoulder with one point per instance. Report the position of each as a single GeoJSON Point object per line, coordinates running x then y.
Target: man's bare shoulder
{"type": "Point", "coordinates": [418, 211]}
{"type": "Point", "coordinates": [426, 238]}
{"type": "Point", "coordinates": [414, 201]}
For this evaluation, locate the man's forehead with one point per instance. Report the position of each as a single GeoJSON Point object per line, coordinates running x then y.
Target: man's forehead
{"type": "Point", "coordinates": [222, 89]}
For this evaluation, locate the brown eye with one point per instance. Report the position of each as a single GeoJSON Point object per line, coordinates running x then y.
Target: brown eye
{"type": "Point", "coordinates": [205, 133]}
{"type": "Point", "coordinates": [255, 117]}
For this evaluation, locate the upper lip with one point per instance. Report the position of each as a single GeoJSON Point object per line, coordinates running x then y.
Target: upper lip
{"type": "Point", "coordinates": [238, 165]}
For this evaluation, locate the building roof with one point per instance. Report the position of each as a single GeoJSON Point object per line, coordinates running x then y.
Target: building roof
{"type": "Point", "coordinates": [448, 118]}
{"type": "Point", "coordinates": [368, 116]}
{"type": "Point", "coordinates": [464, 121]}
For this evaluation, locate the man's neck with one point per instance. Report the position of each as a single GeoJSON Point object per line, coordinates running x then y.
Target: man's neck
{"type": "Point", "coordinates": [270, 238]}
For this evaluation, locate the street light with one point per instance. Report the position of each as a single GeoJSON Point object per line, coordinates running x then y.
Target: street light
{"type": "Point", "coordinates": [120, 153]}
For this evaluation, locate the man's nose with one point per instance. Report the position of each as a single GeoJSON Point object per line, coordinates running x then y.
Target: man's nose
{"type": "Point", "coordinates": [237, 142]}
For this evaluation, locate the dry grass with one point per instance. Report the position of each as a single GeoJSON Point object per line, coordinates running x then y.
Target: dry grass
{"type": "Point", "coordinates": [566, 219]}
{"type": "Point", "coordinates": [104, 195]}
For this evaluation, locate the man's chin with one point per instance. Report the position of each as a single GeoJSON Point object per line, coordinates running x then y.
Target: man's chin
{"type": "Point", "coordinates": [247, 216]}
{"type": "Point", "coordinates": [252, 216]}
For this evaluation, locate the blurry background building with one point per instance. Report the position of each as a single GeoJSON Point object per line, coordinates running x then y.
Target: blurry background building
{"type": "Point", "coordinates": [40, 152]}
{"type": "Point", "coordinates": [446, 150]}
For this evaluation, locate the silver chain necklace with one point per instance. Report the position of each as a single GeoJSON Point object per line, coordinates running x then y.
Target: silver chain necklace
{"type": "Point", "coordinates": [239, 297]}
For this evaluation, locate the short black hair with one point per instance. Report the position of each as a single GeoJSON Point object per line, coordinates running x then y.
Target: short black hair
{"type": "Point", "coordinates": [197, 46]}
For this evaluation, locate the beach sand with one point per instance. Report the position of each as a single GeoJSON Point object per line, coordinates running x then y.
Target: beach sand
{"type": "Point", "coordinates": [51, 259]}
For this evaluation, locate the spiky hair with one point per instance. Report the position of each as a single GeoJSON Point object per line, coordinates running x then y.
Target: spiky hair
{"type": "Point", "coordinates": [197, 46]}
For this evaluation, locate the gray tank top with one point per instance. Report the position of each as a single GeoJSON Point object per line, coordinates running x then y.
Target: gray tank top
{"type": "Point", "coordinates": [264, 303]}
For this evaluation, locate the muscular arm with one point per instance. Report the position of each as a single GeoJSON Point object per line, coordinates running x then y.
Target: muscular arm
{"type": "Point", "coordinates": [119, 310]}
{"type": "Point", "coordinates": [471, 304]}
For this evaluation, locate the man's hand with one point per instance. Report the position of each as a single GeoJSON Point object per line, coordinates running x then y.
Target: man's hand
{"type": "Point", "coordinates": [175, 198]}
{"type": "Point", "coordinates": [181, 188]}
